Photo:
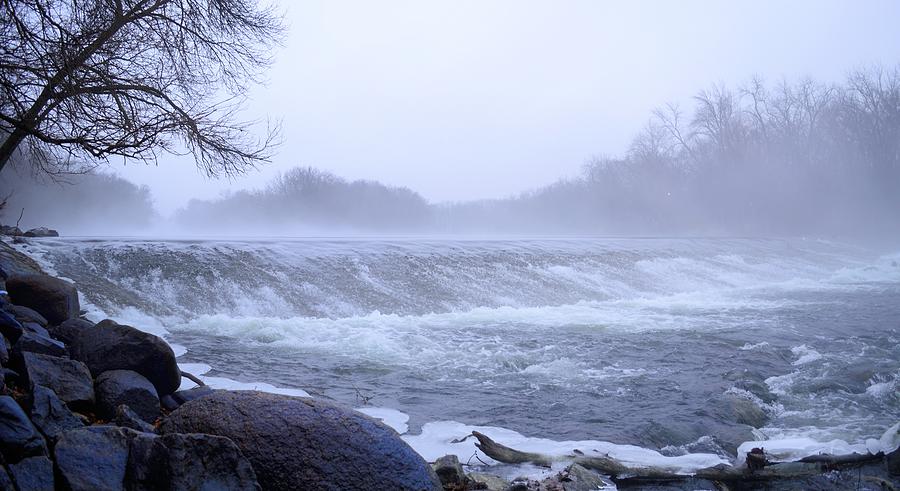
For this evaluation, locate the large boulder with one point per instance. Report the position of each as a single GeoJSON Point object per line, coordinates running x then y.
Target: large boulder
{"type": "Point", "coordinates": [116, 387]}
{"type": "Point", "coordinates": [50, 415]}
{"type": "Point", "coordinates": [302, 443]}
{"type": "Point", "coordinates": [18, 437]}
{"type": "Point", "coordinates": [69, 330]}
{"type": "Point", "coordinates": [33, 474]}
{"type": "Point", "coordinates": [41, 232]}
{"type": "Point", "coordinates": [191, 461]}
{"type": "Point", "coordinates": [111, 346]}
{"type": "Point", "coordinates": [53, 298]}
{"type": "Point", "coordinates": [69, 379]}
{"type": "Point", "coordinates": [93, 458]}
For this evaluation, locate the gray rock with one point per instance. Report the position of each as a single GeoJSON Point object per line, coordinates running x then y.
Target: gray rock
{"type": "Point", "coordinates": [117, 387]}
{"type": "Point", "coordinates": [10, 328]}
{"type": "Point", "coordinates": [41, 232]}
{"type": "Point", "coordinates": [893, 463]}
{"type": "Point", "coordinates": [301, 443]}
{"type": "Point", "coordinates": [6, 483]}
{"type": "Point", "coordinates": [13, 262]}
{"type": "Point", "coordinates": [69, 379]}
{"type": "Point", "coordinates": [35, 328]}
{"type": "Point", "coordinates": [18, 437]}
{"type": "Point", "coordinates": [50, 415]}
{"type": "Point", "coordinates": [94, 458]}
{"type": "Point", "coordinates": [4, 350]}
{"type": "Point", "coordinates": [577, 478]}
{"type": "Point", "coordinates": [10, 230]}
{"type": "Point", "coordinates": [53, 298]}
{"type": "Point", "coordinates": [744, 411]}
{"type": "Point", "coordinates": [24, 314]}
{"type": "Point", "coordinates": [488, 481]}
{"type": "Point", "coordinates": [192, 461]}
{"type": "Point", "coordinates": [169, 402]}
{"type": "Point", "coordinates": [111, 346]}
{"type": "Point", "coordinates": [33, 474]}
{"type": "Point", "coordinates": [173, 401]}
{"type": "Point", "coordinates": [35, 343]}
{"type": "Point", "coordinates": [449, 470]}
{"type": "Point", "coordinates": [127, 418]}
{"type": "Point", "coordinates": [69, 330]}
{"type": "Point", "coordinates": [183, 396]}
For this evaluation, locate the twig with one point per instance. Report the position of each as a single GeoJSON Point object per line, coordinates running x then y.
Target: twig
{"type": "Point", "coordinates": [193, 378]}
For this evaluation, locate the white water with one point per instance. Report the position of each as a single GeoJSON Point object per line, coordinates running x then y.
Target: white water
{"type": "Point", "coordinates": [591, 321]}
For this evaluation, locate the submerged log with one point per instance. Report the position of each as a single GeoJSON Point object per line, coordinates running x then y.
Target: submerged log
{"type": "Point", "coordinates": [624, 474]}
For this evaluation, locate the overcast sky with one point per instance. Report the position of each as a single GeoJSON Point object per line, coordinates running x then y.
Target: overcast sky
{"type": "Point", "coordinates": [485, 98]}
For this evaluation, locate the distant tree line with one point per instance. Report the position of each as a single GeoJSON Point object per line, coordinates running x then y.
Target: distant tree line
{"type": "Point", "coordinates": [306, 200]}
{"type": "Point", "coordinates": [777, 159]}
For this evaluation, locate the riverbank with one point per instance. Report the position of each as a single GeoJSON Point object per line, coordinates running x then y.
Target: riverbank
{"type": "Point", "coordinates": [561, 462]}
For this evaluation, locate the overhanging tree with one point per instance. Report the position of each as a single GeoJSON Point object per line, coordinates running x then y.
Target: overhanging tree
{"type": "Point", "coordinates": [83, 81]}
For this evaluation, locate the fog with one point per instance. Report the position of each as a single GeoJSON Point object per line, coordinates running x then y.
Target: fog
{"type": "Point", "coordinates": [784, 158]}
{"type": "Point", "coordinates": [83, 204]}
{"type": "Point", "coordinates": [696, 118]}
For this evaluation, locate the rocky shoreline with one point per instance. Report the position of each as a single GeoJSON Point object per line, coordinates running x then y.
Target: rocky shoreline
{"type": "Point", "coordinates": [87, 406]}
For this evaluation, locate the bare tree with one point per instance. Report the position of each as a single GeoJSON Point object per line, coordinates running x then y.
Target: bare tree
{"type": "Point", "coordinates": [670, 118]}
{"type": "Point", "coordinates": [82, 81]}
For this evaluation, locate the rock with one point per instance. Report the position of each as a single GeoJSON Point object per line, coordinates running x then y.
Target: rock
{"type": "Point", "coordinates": [192, 461]}
{"type": "Point", "coordinates": [53, 298]}
{"type": "Point", "coordinates": [301, 443]}
{"type": "Point", "coordinates": [18, 437]}
{"type": "Point", "coordinates": [33, 474]}
{"type": "Point", "coordinates": [94, 458]}
{"type": "Point", "coordinates": [10, 230]}
{"type": "Point", "coordinates": [127, 418]}
{"type": "Point", "coordinates": [113, 458]}
{"type": "Point", "coordinates": [577, 478]}
{"type": "Point", "coordinates": [449, 471]}
{"type": "Point", "coordinates": [183, 396]}
{"type": "Point", "coordinates": [173, 401]}
{"type": "Point", "coordinates": [13, 262]}
{"type": "Point", "coordinates": [69, 330]}
{"type": "Point", "coordinates": [488, 481]}
{"type": "Point", "coordinates": [10, 375]}
{"type": "Point", "coordinates": [893, 463]}
{"type": "Point", "coordinates": [24, 314]}
{"type": "Point", "coordinates": [69, 379]}
{"type": "Point", "coordinates": [4, 350]}
{"type": "Point", "coordinates": [744, 411]}
{"type": "Point", "coordinates": [35, 343]}
{"type": "Point", "coordinates": [169, 403]}
{"type": "Point", "coordinates": [110, 346]}
{"type": "Point", "coordinates": [6, 483]}
{"type": "Point", "coordinates": [50, 415]}
{"type": "Point", "coordinates": [10, 328]}
{"type": "Point", "coordinates": [41, 232]}
{"type": "Point", "coordinates": [116, 387]}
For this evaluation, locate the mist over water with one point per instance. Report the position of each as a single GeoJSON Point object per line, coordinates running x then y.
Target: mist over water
{"type": "Point", "coordinates": [633, 341]}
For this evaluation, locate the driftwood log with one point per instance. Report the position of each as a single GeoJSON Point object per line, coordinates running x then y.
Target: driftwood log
{"type": "Point", "coordinates": [624, 474]}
